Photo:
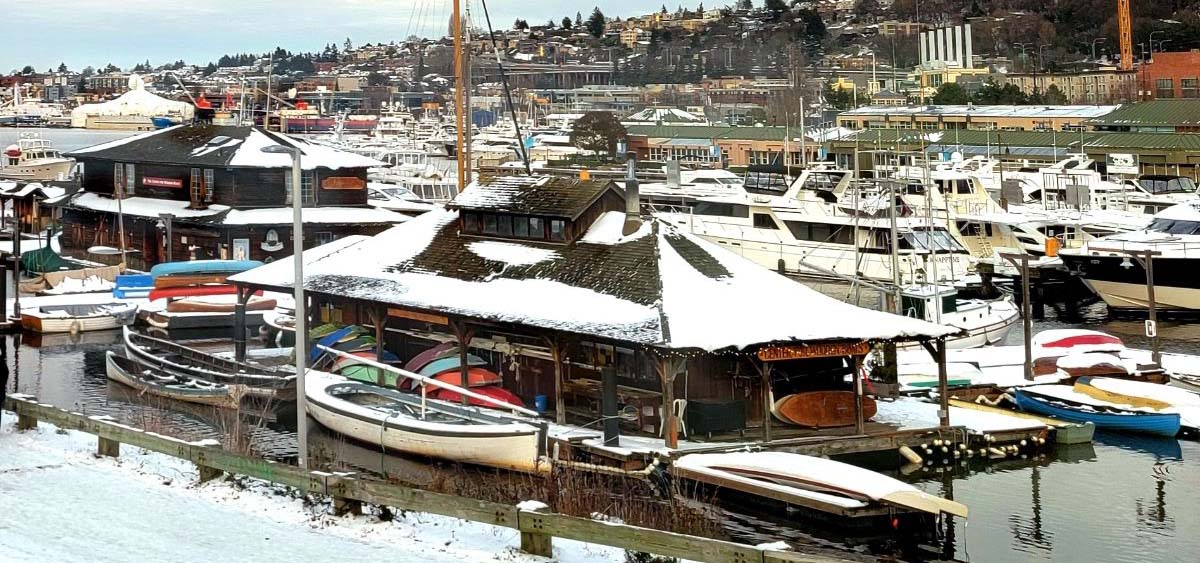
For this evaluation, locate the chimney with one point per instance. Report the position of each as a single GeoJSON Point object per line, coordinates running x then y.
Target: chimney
{"type": "Point", "coordinates": [633, 203]}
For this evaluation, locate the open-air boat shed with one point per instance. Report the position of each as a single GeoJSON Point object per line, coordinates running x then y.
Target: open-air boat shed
{"type": "Point", "coordinates": [594, 310]}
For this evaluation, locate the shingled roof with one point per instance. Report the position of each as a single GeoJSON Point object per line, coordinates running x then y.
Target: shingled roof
{"type": "Point", "coordinates": [658, 287]}
{"type": "Point", "coordinates": [220, 146]}
{"type": "Point", "coordinates": [555, 196]}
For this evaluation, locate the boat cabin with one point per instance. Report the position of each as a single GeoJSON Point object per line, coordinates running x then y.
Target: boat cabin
{"type": "Point", "coordinates": [209, 191]}
{"type": "Point", "coordinates": [596, 314]}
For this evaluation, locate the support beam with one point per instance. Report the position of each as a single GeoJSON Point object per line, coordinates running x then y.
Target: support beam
{"type": "Point", "coordinates": [859, 423]}
{"type": "Point", "coordinates": [764, 371]}
{"type": "Point", "coordinates": [556, 354]}
{"type": "Point", "coordinates": [239, 322]}
{"type": "Point", "coordinates": [943, 386]}
{"type": "Point", "coordinates": [464, 334]}
{"type": "Point", "coordinates": [379, 320]}
{"type": "Point", "coordinates": [668, 369]}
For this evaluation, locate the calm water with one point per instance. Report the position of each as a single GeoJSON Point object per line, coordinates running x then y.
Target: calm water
{"type": "Point", "coordinates": [1119, 500]}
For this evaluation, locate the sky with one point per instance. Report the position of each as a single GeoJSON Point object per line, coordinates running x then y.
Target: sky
{"type": "Point", "coordinates": [125, 32]}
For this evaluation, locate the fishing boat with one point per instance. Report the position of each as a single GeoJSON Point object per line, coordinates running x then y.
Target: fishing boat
{"type": "Point", "coordinates": [811, 482]}
{"type": "Point", "coordinates": [171, 357]}
{"type": "Point", "coordinates": [1063, 402]}
{"type": "Point", "coordinates": [78, 318]}
{"type": "Point", "coordinates": [982, 322]}
{"type": "Point", "coordinates": [172, 386]}
{"type": "Point", "coordinates": [405, 422]}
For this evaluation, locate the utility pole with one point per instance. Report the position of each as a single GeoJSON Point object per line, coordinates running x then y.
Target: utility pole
{"type": "Point", "coordinates": [1022, 261]}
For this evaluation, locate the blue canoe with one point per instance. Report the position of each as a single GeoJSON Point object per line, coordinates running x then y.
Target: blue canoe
{"type": "Point", "coordinates": [204, 267]}
{"type": "Point", "coordinates": [1115, 419]}
{"type": "Point", "coordinates": [438, 366]}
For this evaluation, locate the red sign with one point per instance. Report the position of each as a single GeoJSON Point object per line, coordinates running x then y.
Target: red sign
{"type": "Point", "coordinates": [161, 182]}
{"type": "Point", "coordinates": [343, 183]}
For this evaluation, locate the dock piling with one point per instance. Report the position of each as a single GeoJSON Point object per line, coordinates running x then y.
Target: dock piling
{"type": "Point", "coordinates": [108, 448]}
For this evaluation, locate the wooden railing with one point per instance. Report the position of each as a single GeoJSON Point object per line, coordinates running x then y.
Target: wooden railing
{"type": "Point", "coordinates": [348, 493]}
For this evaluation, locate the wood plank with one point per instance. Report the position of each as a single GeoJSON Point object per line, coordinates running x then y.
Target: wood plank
{"type": "Point", "coordinates": [375, 492]}
{"type": "Point", "coordinates": [639, 539]}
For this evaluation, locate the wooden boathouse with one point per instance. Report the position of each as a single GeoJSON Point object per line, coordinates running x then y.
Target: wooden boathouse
{"type": "Point", "coordinates": [201, 191]}
{"type": "Point", "coordinates": [603, 316]}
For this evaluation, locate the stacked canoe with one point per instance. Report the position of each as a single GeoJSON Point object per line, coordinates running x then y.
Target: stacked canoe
{"type": "Point", "coordinates": [821, 409]}
{"type": "Point", "coordinates": [197, 294]}
{"type": "Point", "coordinates": [444, 363]}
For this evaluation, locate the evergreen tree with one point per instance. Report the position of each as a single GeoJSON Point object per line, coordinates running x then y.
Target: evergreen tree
{"type": "Point", "coordinates": [595, 23]}
{"type": "Point", "coordinates": [62, 67]}
{"type": "Point", "coordinates": [578, 19]}
{"type": "Point", "coordinates": [950, 94]}
{"type": "Point", "coordinates": [775, 7]}
{"type": "Point", "coordinates": [211, 68]}
{"type": "Point", "coordinates": [566, 22]}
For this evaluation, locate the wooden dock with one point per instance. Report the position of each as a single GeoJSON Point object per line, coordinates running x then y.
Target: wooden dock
{"type": "Point", "coordinates": [1064, 432]}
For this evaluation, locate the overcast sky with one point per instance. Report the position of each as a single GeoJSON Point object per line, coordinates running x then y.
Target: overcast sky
{"type": "Point", "coordinates": [125, 32]}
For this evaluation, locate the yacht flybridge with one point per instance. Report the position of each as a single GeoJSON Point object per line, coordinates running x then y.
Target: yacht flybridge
{"type": "Point", "coordinates": [34, 159]}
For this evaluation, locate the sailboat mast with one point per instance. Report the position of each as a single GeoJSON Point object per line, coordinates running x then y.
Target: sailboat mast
{"type": "Point", "coordinates": [459, 95]}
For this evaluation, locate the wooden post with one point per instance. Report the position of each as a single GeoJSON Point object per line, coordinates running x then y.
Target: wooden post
{"type": "Point", "coordinates": [556, 354]}
{"type": "Point", "coordinates": [764, 369]}
{"type": "Point", "coordinates": [533, 542]}
{"type": "Point", "coordinates": [667, 370]}
{"type": "Point", "coordinates": [337, 485]}
{"type": "Point", "coordinates": [239, 323]}
{"type": "Point", "coordinates": [379, 319]}
{"type": "Point", "coordinates": [1022, 261]}
{"type": "Point", "coordinates": [943, 385]}
{"type": "Point", "coordinates": [26, 421]}
{"type": "Point", "coordinates": [208, 473]}
{"type": "Point", "coordinates": [859, 424]}
{"type": "Point", "coordinates": [463, 334]}
{"type": "Point", "coordinates": [109, 448]}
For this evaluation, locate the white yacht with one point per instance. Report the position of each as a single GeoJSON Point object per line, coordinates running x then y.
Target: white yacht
{"type": "Point", "coordinates": [983, 322]}
{"type": "Point", "coordinates": [1106, 266]}
{"type": "Point", "coordinates": [34, 159]}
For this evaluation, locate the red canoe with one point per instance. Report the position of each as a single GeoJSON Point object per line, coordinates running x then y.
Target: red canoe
{"type": "Point", "coordinates": [197, 291]}
{"type": "Point", "coordinates": [493, 391]}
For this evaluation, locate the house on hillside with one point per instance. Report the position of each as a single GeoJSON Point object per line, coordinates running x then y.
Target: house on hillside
{"type": "Point", "coordinates": [209, 191]}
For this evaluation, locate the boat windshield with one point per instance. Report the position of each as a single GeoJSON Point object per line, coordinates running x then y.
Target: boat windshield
{"type": "Point", "coordinates": [1175, 227]}
{"type": "Point", "coordinates": [936, 240]}
{"type": "Point", "coordinates": [1168, 185]}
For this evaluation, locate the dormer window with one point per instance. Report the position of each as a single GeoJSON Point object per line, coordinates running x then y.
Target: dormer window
{"type": "Point", "coordinates": [512, 226]}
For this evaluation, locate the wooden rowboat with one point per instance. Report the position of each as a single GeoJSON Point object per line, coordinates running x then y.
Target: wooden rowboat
{"type": "Point", "coordinates": [77, 318]}
{"type": "Point", "coordinates": [1186, 382]}
{"type": "Point", "coordinates": [811, 482]}
{"type": "Point", "coordinates": [139, 376]}
{"type": "Point", "coordinates": [403, 422]}
{"type": "Point", "coordinates": [822, 409]}
{"type": "Point", "coordinates": [1063, 402]}
{"type": "Point", "coordinates": [188, 280]}
{"type": "Point", "coordinates": [174, 358]}
{"type": "Point", "coordinates": [191, 305]}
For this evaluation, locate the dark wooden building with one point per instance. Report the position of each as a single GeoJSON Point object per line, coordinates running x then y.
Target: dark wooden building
{"type": "Point", "coordinates": [214, 191]}
{"type": "Point", "coordinates": [565, 292]}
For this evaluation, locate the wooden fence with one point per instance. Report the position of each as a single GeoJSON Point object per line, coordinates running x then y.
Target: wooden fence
{"type": "Point", "coordinates": [348, 493]}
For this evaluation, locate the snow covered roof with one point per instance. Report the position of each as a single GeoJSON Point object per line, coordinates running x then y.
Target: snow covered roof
{"type": "Point", "coordinates": [663, 115]}
{"type": "Point", "coordinates": [556, 196]}
{"type": "Point", "coordinates": [658, 286]}
{"type": "Point", "coordinates": [224, 215]}
{"type": "Point", "coordinates": [210, 145]}
{"type": "Point", "coordinates": [134, 102]}
{"type": "Point", "coordinates": [15, 189]}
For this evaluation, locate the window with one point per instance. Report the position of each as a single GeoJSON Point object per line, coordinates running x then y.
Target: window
{"type": "Point", "coordinates": [764, 221]}
{"type": "Point", "coordinates": [521, 227]}
{"type": "Point", "coordinates": [471, 222]}
{"type": "Point", "coordinates": [1165, 88]}
{"type": "Point", "coordinates": [720, 209]}
{"type": "Point", "coordinates": [537, 228]}
{"type": "Point", "coordinates": [130, 175]}
{"type": "Point", "coordinates": [504, 226]}
{"type": "Point", "coordinates": [1189, 87]}
{"type": "Point", "coordinates": [558, 230]}
{"type": "Point", "coordinates": [197, 186]}
{"type": "Point", "coordinates": [118, 177]}
{"type": "Point", "coordinates": [325, 237]}
{"type": "Point", "coordinates": [209, 185]}
{"type": "Point", "coordinates": [489, 224]}
{"type": "Point", "coordinates": [307, 195]}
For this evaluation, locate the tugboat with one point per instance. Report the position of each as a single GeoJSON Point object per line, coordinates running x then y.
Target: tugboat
{"type": "Point", "coordinates": [34, 159]}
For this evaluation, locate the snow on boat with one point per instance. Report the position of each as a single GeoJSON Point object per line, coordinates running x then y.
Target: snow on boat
{"type": "Point", "coordinates": [407, 423]}
{"type": "Point", "coordinates": [812, 482]}
{"type": "Point", "coordinates": [172, 386]}
{"type": "Point", "coordinates": [1063, 402]}
{"type": "Point", "coordinates": [1190, 383]}
{"type": "Point", "coordinates": [77, 318]}
{"type": "Point", "coordinates": [1140, 394]}
{"type": "Point", "coordinates": [171, 357]}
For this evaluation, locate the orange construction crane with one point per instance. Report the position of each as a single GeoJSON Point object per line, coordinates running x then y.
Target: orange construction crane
{"type": "Point", "coordinates": [1126, 32]}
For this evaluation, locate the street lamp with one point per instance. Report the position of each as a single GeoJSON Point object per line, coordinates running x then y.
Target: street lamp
{"type": "Point", "coordinates": [1161, 49]}
{"type": "Point", "coordinates": [1152, 42]}
{"type": "Point", "coordinates": [1094, 41]}
{"type": "Point", "coordinates": [298, 292]}
{"type": "Point", "coordinates": [1041, 58]}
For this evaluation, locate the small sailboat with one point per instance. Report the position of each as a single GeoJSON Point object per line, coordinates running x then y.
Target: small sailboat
{"type": "Point", "coordinates": [410, 423]}
{"type": "Point", "coordinates": [172, 386]}
{"type": "Point", "coordinates": [1064, 402]}
{"type": "Point", "coordinates": [811, 482]}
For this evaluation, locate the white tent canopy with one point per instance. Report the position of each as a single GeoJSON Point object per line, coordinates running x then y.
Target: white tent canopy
{"type": "Point", "coordinates": [135, 102]}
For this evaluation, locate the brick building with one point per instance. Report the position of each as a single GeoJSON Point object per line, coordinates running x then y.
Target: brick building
{"type": "Point", "coordinates": [1170, 76]}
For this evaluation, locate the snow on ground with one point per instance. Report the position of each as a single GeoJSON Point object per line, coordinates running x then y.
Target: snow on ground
{"type": "Point", "coordinates": [64, 504]}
